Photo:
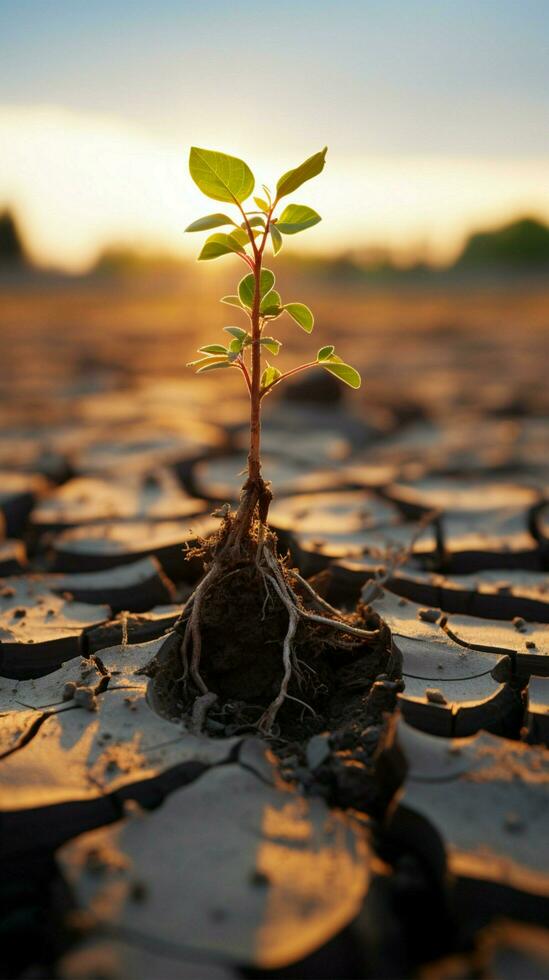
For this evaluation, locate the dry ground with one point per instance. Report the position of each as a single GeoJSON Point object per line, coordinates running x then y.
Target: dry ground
{"type": "Point", "coordinates": [443, 349]}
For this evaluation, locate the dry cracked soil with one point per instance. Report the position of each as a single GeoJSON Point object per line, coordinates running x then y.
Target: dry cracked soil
{"type": "Point", "coordinates": [400, 829]}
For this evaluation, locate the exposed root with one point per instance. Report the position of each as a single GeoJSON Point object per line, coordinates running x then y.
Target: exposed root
{"type": "Point", "coordinates": [267, 719]}
{"type": "Point", "coordinates": [193, 635]}
{"type": "Point", "coordinates": [317, 600]}
{"type": "Point", "coordinates": [201, 707]}
{"type": "Point", "coordinates": [245, 542]}
{"type": "Point", "coordinates": [338, 624]}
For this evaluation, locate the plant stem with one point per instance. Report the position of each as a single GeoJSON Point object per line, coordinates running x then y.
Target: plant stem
{"type": "Point", "coordinates": [245, 372]}
{"type": "Point", "coordinates": [254, 457]}
{"type": "Point", "coordinates": [246, 259]}
{"type": "Point", "coordinates": [256, 495]}
{"type": "Point", "coordinates": [288, 374]}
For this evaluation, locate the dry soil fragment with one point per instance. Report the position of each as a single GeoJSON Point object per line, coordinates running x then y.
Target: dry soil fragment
{"type": "Point", "coordinates": [39, 630]}
{"type": "Point", "coordinates": [135, 587]}
{"type": "Point", "coordinates": [490, 593]}
{"type": "Point", "coordinates": [508, 638]}
{"type": "Point", "coordinates": [269, 877]}
{"type": "Point", "coordinates": [18, 492]}
{"type": "Point", "coordinates": [449, 690]}
{"type": "Point", "coordinates": [102, 546]}
{"type": "Point", "coordinates": [13, 557]}
{"type": "Point", "coordinates": [220, 478]}
{"type": "Point", "coordinates": [94, 500]}
{"type": "Point", "coordinates": [345, 524]}
{"type": "Point", "coordinates": [537, 713]}
{"type": "Point", "coordinates": [456, 803]}
{"type": "Point", "coordinates": [135, 628]}
{"type": "Point", "coordinates": [64, 777]}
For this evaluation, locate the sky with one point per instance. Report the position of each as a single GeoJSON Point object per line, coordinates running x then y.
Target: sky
{"type": "Point", "coordinates": [436, 114]}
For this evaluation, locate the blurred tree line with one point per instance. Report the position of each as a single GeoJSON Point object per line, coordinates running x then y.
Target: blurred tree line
{"type": "Point", "coordinates": [12, 251]}
{"type": "Point", "coordinates": [520, 246]}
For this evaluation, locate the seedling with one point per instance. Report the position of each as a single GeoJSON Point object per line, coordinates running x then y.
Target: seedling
{"type": "Point", "coordinates": [228, 179]}
{"type": "Point", "coordinates": [245, 546]}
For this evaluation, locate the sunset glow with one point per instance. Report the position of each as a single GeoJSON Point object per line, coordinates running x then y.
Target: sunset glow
{"type": "Point", "coordinates": [434, 115]}
{"type": "Point", "coordinates": [81, 181]}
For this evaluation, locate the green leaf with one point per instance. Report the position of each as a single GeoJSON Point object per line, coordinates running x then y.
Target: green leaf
{"type": "Point", "coordinates": [343, 371]}
{"type": "Point", "coordinates": [269, 375]}
{"type": "Point", "coordinates": [270, 303]}
{"type": "Point", "coordinates": [271, 344]}
{"type": "Point", "coordinates": [209, 359]}
{"type": "Point", "coordinates": [293, 179]}
{"type": "Point", "coordinates": [267, 193]}
{"type": "Point", "coordinates": [301, 314]}
{"type": "Point", "coordinates": [237, 332]}
{"type": "Point", "coordinates": [240, 236]}
{"type": "Point", "coordinates": [262, 205]}
{"type": "Point", "coordinates": [220, 176]}
{"type": "Point", "coordinates": [296, 218]}
{"type": "Point", "coordinates": [220, 244]}
{"type": "Point", "coordinates": [200, 360]}
{"type": "Point", "coordinates": [214, 367]}
{"type": "Point", "coordinates": [276, 239]}
{"type": "Point", "coordinates": [231, 301]}
{"type": "Point", "coordinates": [325, 352]}
{"type": "Point", "coordinates": [212, 349]}
{"type": "Point", "coordinates": [210, 221]}
{"type": "Point", "coordinates": [236, 345]}
{"type": "Point", "coordinates": [246, 287]}
{"type": "Point", "coordinates": [254, 222]}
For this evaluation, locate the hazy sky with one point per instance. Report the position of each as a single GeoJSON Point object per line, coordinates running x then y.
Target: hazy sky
{"type": "Point", "coordinates": [436, 113]}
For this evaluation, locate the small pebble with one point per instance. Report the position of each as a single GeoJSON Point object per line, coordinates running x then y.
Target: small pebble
{"type": "Point", "coordinates": [530, 645]}
{"type": "Point", "coordinates": [69, 690]}
{"type": "Point", "coordinates": [435, 696]}
{"type": "Point", "coordinates": [85, 697]}
{"type": "Point", "coordinates": [132, 808]}
{"type": "Point", "coordinates": [318, 750]}
{"type": "Point", "coordinates": [429, 615]}
{"type": "Point", "coordinates": [519, 623]}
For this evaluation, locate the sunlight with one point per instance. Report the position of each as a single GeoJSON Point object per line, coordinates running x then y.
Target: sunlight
{"type": "Point", "coordinates": [82, 181]}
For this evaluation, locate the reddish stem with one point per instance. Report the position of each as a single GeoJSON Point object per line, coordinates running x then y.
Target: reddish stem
{"type": "Point", "coordinates": [246, 258]}
{"type": "Point", "coordinates": [254, 457]}
{"type": "Point", "coordinates": [288, 374]}
{"type": "Point", "coordinates": [246, 374]}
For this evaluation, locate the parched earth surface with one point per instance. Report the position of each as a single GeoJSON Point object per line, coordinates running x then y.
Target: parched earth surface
{"type": "Point", "coordinates": [401, 831]}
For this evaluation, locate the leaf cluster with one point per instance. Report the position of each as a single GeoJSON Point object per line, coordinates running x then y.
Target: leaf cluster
{"type": "Point", "coordinates": [229, 180]}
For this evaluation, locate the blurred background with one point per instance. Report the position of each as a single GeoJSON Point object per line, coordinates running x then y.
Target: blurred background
{"type": "Point", "coordinates": [429, 270]}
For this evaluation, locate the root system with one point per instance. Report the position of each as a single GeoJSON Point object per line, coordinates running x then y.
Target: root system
{"type": "Point", "coordinates": [255, 641]}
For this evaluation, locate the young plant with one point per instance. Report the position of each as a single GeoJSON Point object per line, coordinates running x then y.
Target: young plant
{"type": "Point", "coordinates": [230, 180]}
{"type": "Point", "coordinates": [243, 554]}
